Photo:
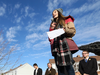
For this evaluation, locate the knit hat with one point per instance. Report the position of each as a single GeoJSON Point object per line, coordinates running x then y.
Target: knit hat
{"type": "Point", "coordinates": [60, 10]}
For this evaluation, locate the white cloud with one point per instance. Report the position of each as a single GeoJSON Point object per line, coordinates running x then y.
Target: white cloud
{"type": "Point", "coordinates": [18, 48]}
{"type": "Point", "coordinates": [34, 35]}
{"type": "Point", "coordinates": [39, 27]}
{"type": "Point", "coordinates": [31, 15]}
{"type": "Point", "coordinates": [37, 41]}
{"type": "Point", "coordinates": [30, 27]}
{"type": "Point", "coordinates": [2, 11]}
{"type": "Point", "coordinates": [42, 44]}
{"type": "Point", "coordinates": [31, 40]}
{"type": "Point", "coordinates": [11, 33]}
{"type": "Point", "coordinates": [17, 6]}
{"type": "Point", "coordinates": [44, 54]}
{"type": "Point", "coordinates": [88, 27]}
{"type": "Point", "coordinates": [44, 26]}
{"type": "Point", "coordinates": [38, 36]}
{"type": "Point", "coordinates": [67, 2]}
{"type": "Point", "coordinates": [53, 4]}
{"type": "Point", "coordinates": [26, 10]}
{"type": "Point", "coordinates": [22, 10]}
{"type": "Point", "coordinates": [88, 33]}
{"type": "Point", "coordinates": [28, 13]}
{"type": "Point", "coordinates": [84, 8]}
{"type": "Point", "coordinates": [18, 19]}
{"type": "Point", "coordinates": [28, 44]}
{"type": "Point", "coordinates": [38, 55]}
{"type": "Point", "coordinates": [16, 15]}
{"type": "Point", "coordinates": [4, 5]}
{"type": "Point", "coordinates": [1, 38]}
{"type": "Point", "coordinates": [88, 20]}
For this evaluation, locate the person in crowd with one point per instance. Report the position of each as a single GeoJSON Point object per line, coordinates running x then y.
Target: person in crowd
{"type": "Point", "coordinates": [63, 46]}
{"type": "Point", "coordinates": [37, 71]}
{"type": "Point", "coordinates": [50, 70]}
{"type": "Point", "coordinates": [88, 66]}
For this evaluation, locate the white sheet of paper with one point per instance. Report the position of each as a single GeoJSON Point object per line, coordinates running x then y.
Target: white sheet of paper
{"type": "Point", "coordinates": [55, 33]}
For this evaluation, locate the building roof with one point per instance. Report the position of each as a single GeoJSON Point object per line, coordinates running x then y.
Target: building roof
{"type": "Point", "coordinates": [51, 61]}
{"type": "Point", "coordinates": [77, 59]}
{"type": "Point", "coordinates": [14, 68]}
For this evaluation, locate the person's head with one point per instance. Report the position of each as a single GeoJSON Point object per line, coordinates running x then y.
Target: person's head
{"type": "Point", "coordinates": [35, 65]}
{"type": "Point", "coordinates": [57, 14]}
{"type": "Point", "coordinates": [85, 54]}
{"type": "Point", "coordinates": [49, 65]}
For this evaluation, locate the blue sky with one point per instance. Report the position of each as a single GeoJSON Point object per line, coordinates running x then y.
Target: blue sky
{"type": "Point", "coordinates": [25, 23]}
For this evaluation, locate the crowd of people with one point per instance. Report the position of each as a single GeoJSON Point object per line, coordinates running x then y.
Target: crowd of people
{"type": "Point", "coordinates": [63, 47]}
{"type": "Point", "coordinates": [49, 70]}
{"type": "Point", "coordinates": [87, 66]}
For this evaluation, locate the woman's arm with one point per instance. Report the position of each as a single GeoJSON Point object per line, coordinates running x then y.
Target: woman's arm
{"type": "Point", "coordinates": [70, 29]}
{"type": "Point", "coordinates": [52, 27]}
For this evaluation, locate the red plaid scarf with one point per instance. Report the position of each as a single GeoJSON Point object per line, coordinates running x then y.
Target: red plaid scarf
{"type": "Point", "coordinates": [60, 49]}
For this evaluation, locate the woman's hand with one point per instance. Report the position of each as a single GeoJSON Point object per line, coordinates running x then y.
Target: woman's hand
{"type": "Point", "coordinates": [53, 25]}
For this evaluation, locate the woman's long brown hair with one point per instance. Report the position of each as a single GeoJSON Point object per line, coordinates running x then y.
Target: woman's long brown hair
{"type": "Point", "coordinates": [61, 19]}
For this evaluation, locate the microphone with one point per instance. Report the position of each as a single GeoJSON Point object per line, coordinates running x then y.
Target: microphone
{"type": "Point", "coordinates": [53, 20]}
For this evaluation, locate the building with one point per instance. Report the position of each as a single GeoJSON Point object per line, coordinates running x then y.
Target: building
{"type": "Point", "coordinates": [24, 69]}
{"type": "Point", "coordinates": [53, 64]}
{"type": "Point", "coordinates": [76, 64]}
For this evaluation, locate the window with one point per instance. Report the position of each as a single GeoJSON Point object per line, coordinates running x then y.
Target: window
{"type": "Point", "coordinates": [74, 67]}
{"type": "Point", "coordinates": [77, 66]}
{"type": "Point", "coordinates": [99, 66]}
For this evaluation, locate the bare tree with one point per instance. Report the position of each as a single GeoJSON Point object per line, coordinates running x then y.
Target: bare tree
{"type": "Point", "coordinates": [92, 47]}
{"type": "Point", "coordinates": [6, 49]}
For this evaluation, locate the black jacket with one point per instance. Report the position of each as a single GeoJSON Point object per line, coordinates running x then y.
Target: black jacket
{"type": "Point", "coordinates": [89, 67]}
{"type": "Point", "coordinates": [51, 72]}
{"type": "Point", "coordinates": [39, 72]}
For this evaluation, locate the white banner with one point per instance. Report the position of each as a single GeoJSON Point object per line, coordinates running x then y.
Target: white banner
{"type": "Point", "coordinates": [55, 33]}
